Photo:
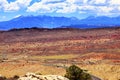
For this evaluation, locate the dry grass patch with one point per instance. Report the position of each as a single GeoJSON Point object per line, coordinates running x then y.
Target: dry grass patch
{"type": "Point", "coordinates": [104, 71]}
{"type": "Point", "coordinates": [66, 56]}
{"type": "Point", "coordinates": [20, 69]}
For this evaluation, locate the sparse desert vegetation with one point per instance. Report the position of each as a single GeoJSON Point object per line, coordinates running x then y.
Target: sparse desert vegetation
{"type": "Point", "coordinates": [50, 51]}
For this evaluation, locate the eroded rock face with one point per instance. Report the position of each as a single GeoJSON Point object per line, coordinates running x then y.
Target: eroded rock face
{"type": "Point", "coordinates": [32, 76]}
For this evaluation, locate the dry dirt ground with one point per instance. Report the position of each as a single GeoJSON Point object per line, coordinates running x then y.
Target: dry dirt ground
{"type": "Point", "coordinates": [50, 51]}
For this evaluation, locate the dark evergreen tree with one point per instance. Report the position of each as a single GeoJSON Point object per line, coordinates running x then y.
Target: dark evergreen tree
{"type": "Point", "coordinates": [75, 73]}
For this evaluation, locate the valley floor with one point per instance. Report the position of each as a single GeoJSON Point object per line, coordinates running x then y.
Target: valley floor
{"type": "Point", "coordinates": [49, 52]}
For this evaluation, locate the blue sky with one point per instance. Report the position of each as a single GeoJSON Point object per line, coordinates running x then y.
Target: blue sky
{"type": "Point", "coordinates": [69, 8]}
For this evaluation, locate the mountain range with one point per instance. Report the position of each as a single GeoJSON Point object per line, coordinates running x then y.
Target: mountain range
{"type": "Point", "coordinates": [55, 22]}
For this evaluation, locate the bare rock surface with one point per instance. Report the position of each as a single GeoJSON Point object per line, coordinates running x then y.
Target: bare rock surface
{"type": "Point", "coordinates": [95, 78]}
{"type": "Point", "coordinates": [32, 76]}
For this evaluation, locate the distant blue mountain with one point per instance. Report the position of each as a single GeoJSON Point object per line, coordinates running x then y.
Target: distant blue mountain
{"type": "Point", "coordinates": [97, 22]}
{"type": "Point", "coordinates": [102, 20]}
{"type": "Point", "coordinates": [54, 22]}
{"type": "Point", "coordinates": [38, 21]}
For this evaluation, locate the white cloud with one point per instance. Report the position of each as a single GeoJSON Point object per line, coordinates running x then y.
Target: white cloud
{"type": "Point", "coordinates": [101, 7]}
{"type": "Point", "coordinates": [47, 1]}
{"type": "Point", "coordinates": [105, 9]}
{"type": "Point", "coordinates": [67, 6]}
{"type": "Point", "coordinates": [68, 9]}
{"type": "Point", "coordinates": [23, 2]}
{"type": "Point", "coordinates": [97, 1]}
{"type": "Point", "coordinates": [71, 1]}
{"type": "Point", "coordinates": [43, 6]}
{"type": "Point", "coordinates": [86, 7]}
{"type": "Point", "coordinates": [114, 2]}
{"type": "Point", "coordinates": [98, 7]}
{"type": "Point", "coordinates": [14, 6]}
{"type": "Point", "coordinates": [11, 7]}
{"type": "Point", "coordinates": [2, 3]}
{"type": "Point", "coordinates": [85, 1]}
{"type": "Point", "coordinates": [37, 6]}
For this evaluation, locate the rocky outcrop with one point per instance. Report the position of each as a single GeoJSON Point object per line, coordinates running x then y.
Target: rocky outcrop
{"type": "Point", "coordinates": [32, 76]}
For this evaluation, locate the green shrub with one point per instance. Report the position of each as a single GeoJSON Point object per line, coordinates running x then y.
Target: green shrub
{"type": "Point", "coordinates": [75, 73]}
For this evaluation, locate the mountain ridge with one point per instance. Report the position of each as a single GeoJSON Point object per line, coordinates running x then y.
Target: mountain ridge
{"type": "Point", "coordinates": [56, 22]}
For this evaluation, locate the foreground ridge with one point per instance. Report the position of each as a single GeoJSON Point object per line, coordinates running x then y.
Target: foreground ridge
{"type": "Point", "coordinates": [33, 76]}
